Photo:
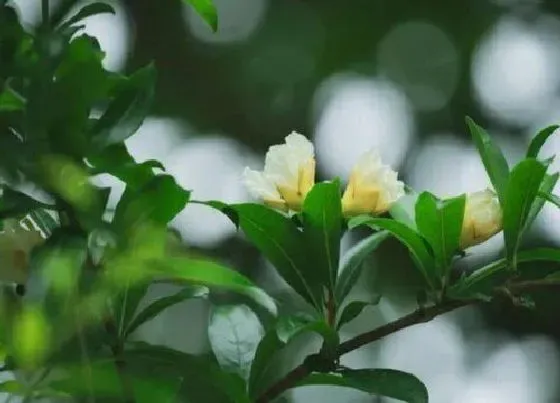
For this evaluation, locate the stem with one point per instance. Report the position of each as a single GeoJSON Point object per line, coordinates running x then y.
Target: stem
{"type": "Point", "coordinates": [85, 357]}
{"type": "Point", "coordinates": [421, 315]}
{"type": "Point", "coordinates": [117, 349]}
{"type": "Point", "coordinates": [331, 309]}
{"type": "Point", "coordinates": [46, 13]}
{"type": "Point", "coordinates": [289, 380]}
{"type": "Point", "coordinates": [120, 364]}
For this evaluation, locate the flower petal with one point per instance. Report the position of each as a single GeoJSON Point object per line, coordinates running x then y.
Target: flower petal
{"type": "Point", "coordinates": [259, 185]}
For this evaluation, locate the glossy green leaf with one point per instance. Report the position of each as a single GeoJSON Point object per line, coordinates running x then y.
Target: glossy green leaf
{"type": "Point", "coordinates": [87, 11]}
{"type": "Point", "coordinates": [483, 281]}
{"type": "Point", "coordinates": [102, 380]}
{"type": "Point", "coordinates": [158, 306]}
{"type": "Point", "coordinates": [44, 220]}
{"type": "Point", "coordinates": [13, 388]}
{"type": "Point", "coordinates": [440, 223]}
{"type": "Point", "coordinates": [212, 274]}
{"type": "Point", "coordinates": [547, 185]}
{"type": "Point", "coordinates": [117, 161]}
{"type": "Point", "coordinates": [291, 326]}
{"type": "Point", "coordinates": [538, 141]}
{"type": "Point", "coordinates": [202, 377]}
{"type": "Point", "coordinates": [266, 351]}
{"type": "Point", "coordinates": [128, 110]}
{"type": "Point", "coordinates": [521, 191]}
{"type": "Point", "coordinates": [126, 303]}
{"type": "Point", "coordinates": [411, 239]}
{"type": "Point", "coordinates": [492, 157]}
{"type": "Point", "coordinates": [235, 333]}
{"type": "Point", "coordinates": [207, 10]}
{"type": "Point", "coordinates": [353, 310]}
{"type": "Point", "coordinates": [352, 263]}
{"type": "Point", "coordinates": [15, 203]}
{"type": "Point", "coordinates": [11, 101]}
{"type": "Point", "coordinates": [382, 382]}
{"type": "Point", "coordinates": [322, 228]}
{"type": "Point", "coordinates": [66, 124]}
{"type": "Point", "coordinates": [550, 197]}
{"type": "Point", "coordinates": [281, 242]}
{"type": "Point", "coordinates": [159, 201]}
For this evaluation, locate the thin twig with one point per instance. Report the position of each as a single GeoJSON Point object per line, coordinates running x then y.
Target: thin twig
{"type": "Point", "coordinates": [421, 315]}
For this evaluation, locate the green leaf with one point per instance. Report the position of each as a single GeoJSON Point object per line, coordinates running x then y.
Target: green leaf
{"type": "Point", "coordinates": [538, 141]}
{"type": "Point", "coordinates": [117, 161]}
{"type": "Point", "coordinates": [65, 124]}
{"type": "Point", "coordinates": [322, 227]}
{"type": "Point", "coordinates": [234, 333]}
{"type": "Point", "coordinates": [483, 281]}
{"type": "Point", "coordinates": [547, 185]}
{"type": "Point", "coordinates": [203, 379]}
{"type": "Point", "coordinates": [158, 306]}
{"type": "Point", "coordinates": [11, 101]}
{"type": "Point", "coordinates": [103, 381]}
{"type": "Point", "coordinates": [266, 350]}
{"type": "Point", "coordinates": [211, 274]}
{"type": "Point", "coordinates": [440, 223]}
{"type": "Point", "coordinates": [411, 239]}
{"type": "Point", "coordinates": [382, 382]}
{"type": "Point", "coordinates": [281, 242]}
{"type": "Point", "coordinates": [44, 221]}
{"type": "Point", "coordinates": [126, 303]}
{"type": "Point", "coordinates": [353, 310]}
{"type": "Point", "coordinates": [550, 197]}
{"type": "Point", "coordinates": [207, 10]}
{"type": "Point", "coordinates": [494, 161]}
{"type": "Point", "coordinates": [159, 201]}
{"type": "Point", "coordinates": [13, 388]}
{"type": "Point", "coordinates": [352, 263]}
{"type": "Point", "coordinates": [128, 110]}
{"type": "Point", "coordinates": [539, 254]}
{"type": "Point", "coordinates": [291, 326]}
{"type": "Point", "coordinates": [87, 11]}
{"type": "Point", "coordinates": [521, 191]}
{"type": "Point", "coordinates": [14, 203]}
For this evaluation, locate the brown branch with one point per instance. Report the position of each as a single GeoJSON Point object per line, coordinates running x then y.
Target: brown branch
{"type": "Point", "coordinates": [421, 315]}
{"type": "Point", "coordinates": [289, 380]}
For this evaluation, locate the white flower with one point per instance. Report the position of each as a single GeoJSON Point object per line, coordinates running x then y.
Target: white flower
{"type": "Point", "coordinates": [372, 188]}
{"type": "Point", "coordinates": [17, 239]}
{"type": "Point", "coordinates": [482, 218]}
{"type": "Point", "coordinates": [289, 173]}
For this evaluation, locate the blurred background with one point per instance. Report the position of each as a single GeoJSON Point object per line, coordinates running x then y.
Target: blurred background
{"type": "Point", "coordinates": [351, 75]}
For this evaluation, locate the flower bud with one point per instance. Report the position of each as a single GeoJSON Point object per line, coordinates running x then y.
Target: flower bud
{"type": "Point", "coordinates": [482, 218]}
{"type": "Point", "coordinates": [372, 188]}
{"type": "Point", "coordinates": [288, 175]}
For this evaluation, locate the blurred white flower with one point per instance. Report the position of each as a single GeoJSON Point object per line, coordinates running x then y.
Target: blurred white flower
{"type": "Point", "coordinates": [289, 173]}
{"type": "Point", "coordinates": [373, 187]}
{"type": "Point", "coordinates": [482, 218]}
{"type": "Point", "coordinates": [17, 239]}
